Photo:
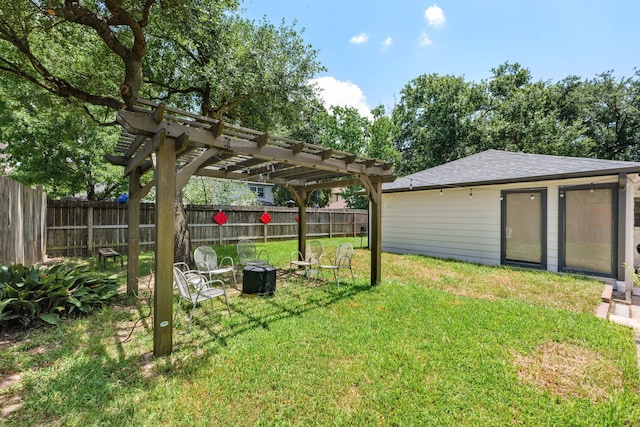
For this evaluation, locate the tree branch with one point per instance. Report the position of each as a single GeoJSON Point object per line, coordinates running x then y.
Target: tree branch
{"type": "Point", "coordinates": [72, 11]}
{"type": "Point", "coordinates": [95, 119]}
{"type": "Point", "coordinates": [228, 106]}
{"type": "Point", "coordinates": [58, 86]}
{"type": "Point", "coordinates": [173, 90]}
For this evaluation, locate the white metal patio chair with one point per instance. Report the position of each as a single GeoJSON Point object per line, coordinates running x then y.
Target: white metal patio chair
{"type": "Point", "coordinates": [193, 277]}
{"type": "Point", "coordinates": [206, 260]}
{"type": "Point", "coordinates": [197, 292]}
{"type": "Point", "coordinates": [342, 261]}
{"type": "Point", "coordinates": [248, 253]}
{"type": "Point", "coordinates": [310, 262]}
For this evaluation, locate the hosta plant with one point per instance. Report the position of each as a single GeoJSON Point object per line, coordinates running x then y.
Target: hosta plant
{"type": "Point", "coordinates": [30, 296]}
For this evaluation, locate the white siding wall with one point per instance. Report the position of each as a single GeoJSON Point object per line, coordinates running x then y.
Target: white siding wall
{"type": "Point", "coordinates": [448, 226]}
{"type": "Point", "coordinates": [455, 226]}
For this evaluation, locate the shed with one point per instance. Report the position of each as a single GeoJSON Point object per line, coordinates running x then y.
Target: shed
{"type": "Point", "coordinates": [561, 214]}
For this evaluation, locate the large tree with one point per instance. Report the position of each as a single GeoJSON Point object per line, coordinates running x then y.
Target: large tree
{"type": "Point", "coordinates": [190, 53]}
{"type": "Point", "coordinates": [433, 121]}
{"type": "Point", "coordinates": [611, 114]}
{"type": "Point", "coordinates": [442, 118]}
{"type": "Point", "coordinates": [522, 115]}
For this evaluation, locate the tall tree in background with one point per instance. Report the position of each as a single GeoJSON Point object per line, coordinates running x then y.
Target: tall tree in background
{"type": "Point", "coordinates": [378, 144]}
{"type": "Point", "coordinates": [440, 119]}
{"type": "Point", "coordinates": [433, 121]}
{"type": "Point", "coordinates": [522, 115]}
{"type": "Point", "coordinates": [611, 114]}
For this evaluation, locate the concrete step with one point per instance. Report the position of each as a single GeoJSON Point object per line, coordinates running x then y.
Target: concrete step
{"type": "Point", "coordinates": [603, 310]}
{"type": "Point", "coordinates": [607, 293]}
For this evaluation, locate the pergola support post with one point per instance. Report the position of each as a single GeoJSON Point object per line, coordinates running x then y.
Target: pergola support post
{"type": "Point", "coordinates": [133, 232]}
{"type": "Point", "coordinates": [375, 236]}
{"type": "Point", "coordinates": [302, 198]}
{"type": "Point", "coordinates": [163, 284]}
{"type": "Point", "coordinates": [374, 191]}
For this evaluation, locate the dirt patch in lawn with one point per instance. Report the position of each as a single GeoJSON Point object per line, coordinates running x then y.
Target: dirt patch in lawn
{"type": "Point", "coordinates": [569, 371]}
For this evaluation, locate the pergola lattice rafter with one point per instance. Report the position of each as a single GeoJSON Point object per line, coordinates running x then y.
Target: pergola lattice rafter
{"type": "Point", "coordinates": [177, 145]}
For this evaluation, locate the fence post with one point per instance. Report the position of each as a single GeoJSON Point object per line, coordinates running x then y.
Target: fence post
{"type": "Point", "coordinates": [354, 224]}
{"type": "Point", "coordinates": [330, 225]}
{"type": "Point", "coordinates": [90, 230]}
{"type": "Point", "coordinates": [264, 228]}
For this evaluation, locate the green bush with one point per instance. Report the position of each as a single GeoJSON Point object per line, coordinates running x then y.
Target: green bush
{"type": "Point", "coordinates": [30, 296]}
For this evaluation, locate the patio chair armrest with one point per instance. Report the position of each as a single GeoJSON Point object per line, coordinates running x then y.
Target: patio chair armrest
{"type": "Point", "coordinates": [324, 257]}
{"type": "Point", "coordinates": [202, 266]}
{"type": "Point", "coordinates": [295, 256]}
{"type": "Point", "coordinates": [208, 284]}
{"type": "Point", "coordinates": [266, 254]}
{"type": "Point", "coordinates": [340, 261]}
{"type": "Point", "coordinates": [183, 266]}
{"type": "Point", "coordinates": [314, 259]}
{"type": "Point", "coordinates": [228, 259]}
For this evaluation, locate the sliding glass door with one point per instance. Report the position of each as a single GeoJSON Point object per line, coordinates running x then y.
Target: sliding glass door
{"type": "Point", "coordinates": [524, 228]}
{"type": "Point", "coordinates": [588, 230]}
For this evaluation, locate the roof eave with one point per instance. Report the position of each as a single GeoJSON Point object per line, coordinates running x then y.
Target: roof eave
{"type": "Point", "coordinates": [551, 177]}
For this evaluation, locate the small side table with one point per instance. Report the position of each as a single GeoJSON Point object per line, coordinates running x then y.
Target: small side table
{"type": "Point", "coordinates": [105, 253]}
{"type": "Point", "coordinates": [259, 280]}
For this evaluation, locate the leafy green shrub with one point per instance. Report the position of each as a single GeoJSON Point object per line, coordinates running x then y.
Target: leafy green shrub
{"type": "Point", "coordinates": [32, 295]}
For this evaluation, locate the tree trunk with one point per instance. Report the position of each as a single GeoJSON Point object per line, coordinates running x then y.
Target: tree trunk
{"type": "Point", "coordinates": [182, 238]}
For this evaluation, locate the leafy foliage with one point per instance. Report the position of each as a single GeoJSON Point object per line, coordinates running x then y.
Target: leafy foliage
{"type": "Point", "coordinates": [443, 118]}
{"type": "Point", "coordinates": [31, 296]}
{"type": "Point", "coordinates": [54, 143]}
{"type": "Point", "coordinates": [213, 191]}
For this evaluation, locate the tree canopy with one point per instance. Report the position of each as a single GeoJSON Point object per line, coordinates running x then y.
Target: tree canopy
{"type": "Point", "coordinates": [87, 60]}
{"type": "Point", "coordinates": [66, 66]}
{"type": "Point", "coordinates": [442, 118]}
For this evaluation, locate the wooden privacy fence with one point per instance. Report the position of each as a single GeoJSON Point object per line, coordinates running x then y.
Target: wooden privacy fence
{"type": "Point", "coordinates": [22, 223]}
{"type": "Point", "coordinates": [80, 228]}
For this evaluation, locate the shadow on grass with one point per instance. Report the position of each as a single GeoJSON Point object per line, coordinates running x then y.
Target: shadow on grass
{"type": "Point", "coordinates": [292, 300]}
{"type": "Point", "coordinates": [75, 374]}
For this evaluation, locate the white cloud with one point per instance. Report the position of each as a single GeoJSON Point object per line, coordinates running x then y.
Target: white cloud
{"type": "Point", "coordinates": [386, 43]}
{"type": "Point", "coordinates": [359, 39]}
{"type": "Point", "coordinates": [341, 93]}
{"type": "Point", "coordinates": [435, 16]}
{"type": "Point", "coordinates": [425, 40]}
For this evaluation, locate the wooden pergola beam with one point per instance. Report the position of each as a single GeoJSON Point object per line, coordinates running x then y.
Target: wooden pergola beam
{"type": "Point", "coordinates": [151, 146]}
{"type": "Point", "coordinates": [187, 171]}
{"type": "Point", "coordinates": [261, 139]}
{"type": "Point", "coordinates": [302, 198]}
{"type": "Point", "coordinates": [136, 123]}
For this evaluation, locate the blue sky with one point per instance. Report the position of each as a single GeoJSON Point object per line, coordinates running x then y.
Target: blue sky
{"type": "Point", "coordinates": [372, 49]}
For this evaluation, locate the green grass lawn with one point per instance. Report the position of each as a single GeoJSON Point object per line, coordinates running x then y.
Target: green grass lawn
{"type": "Point", "coordinates": [437, 343]}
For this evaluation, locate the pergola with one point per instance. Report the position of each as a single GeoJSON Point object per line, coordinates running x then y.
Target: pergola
{"type": "Point", "coordinates": [176, 145]}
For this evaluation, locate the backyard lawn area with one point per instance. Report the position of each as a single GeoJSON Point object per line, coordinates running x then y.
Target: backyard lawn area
{"type": "Point", "coordinates": [438, 342]}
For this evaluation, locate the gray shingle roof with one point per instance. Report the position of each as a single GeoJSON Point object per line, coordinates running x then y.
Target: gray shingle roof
{"type": "Point", "coordinates": [497, 167]}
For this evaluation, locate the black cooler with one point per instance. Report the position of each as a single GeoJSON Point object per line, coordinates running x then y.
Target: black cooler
{"type": "Point", "coordinates": [259, 279]}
